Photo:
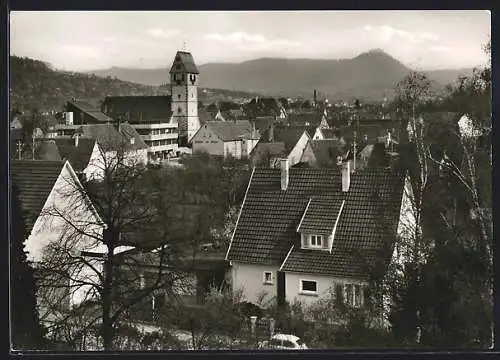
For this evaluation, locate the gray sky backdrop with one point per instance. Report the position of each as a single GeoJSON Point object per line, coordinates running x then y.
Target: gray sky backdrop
{"type": "Point", "coordinates": [94, 40]}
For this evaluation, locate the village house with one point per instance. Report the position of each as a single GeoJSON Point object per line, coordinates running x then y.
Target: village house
{"type": "Point", "coordinates": [151, 117]}
{"type": "Point", "coordinates": [94, 148]}
{"type": "Point", "coordinates": [293, 138]}
{"type": "Point", "coordinates": [303, 232]}
{"type": "Point", "coordinates": [57, 213]}
{"type": "Point", "coordinates": [226, 138]}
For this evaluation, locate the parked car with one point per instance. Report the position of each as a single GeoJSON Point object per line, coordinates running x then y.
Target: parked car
{"type": "Point", "coordinates": [284, 342]}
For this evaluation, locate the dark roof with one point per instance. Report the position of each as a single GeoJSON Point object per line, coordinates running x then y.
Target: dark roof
{"type": "Point", "coordinates": [311, 130]}
{"type": "Point", "coordinates": [372, 131]}
{"type": "Point", "coordinates": [263, 122]}
{"type": "Point", "coordinates": [91, 110]}
{"type": "Point", "coordinates": [331, 133]}
{"type": "Point", "coordinates": [16, 134]}
{"type": "Point", "coordinates": [78, 157]}
{"type": "Point", "coordinates": [267, 225]}
{"type": "Point", "coordinates": [326, 151]}
{"type": "Point", "coordinates": [185, 59]}
{"type": "Point", "coordinates": [321, 214]}
{"type": "Point", "coordinates": [365, 231]}
{"type": "Point", "coordinates": [34, 180]}
{"type": "Point", "coordinates": [47, 150]}
{"type": "Point", "coordinates": [273, 149]}
{"type": "Point", "coordinates": [286, 134]}
{"type": "Point", "coordinates": [137, 109]}
{"type": "Point", "coordinates": [231, 130]}
{"type": "Point", "coordinates": [312, 118]}
{"type": "Point", "coordinates": [108, 136]}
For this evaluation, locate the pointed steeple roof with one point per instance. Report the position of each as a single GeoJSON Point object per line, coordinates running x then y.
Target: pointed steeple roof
{"type": "Point", "coordinates": [184, 62]}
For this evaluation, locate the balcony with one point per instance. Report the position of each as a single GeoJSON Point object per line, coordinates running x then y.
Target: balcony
{"type": "Point", "coordinates": [151, 137]}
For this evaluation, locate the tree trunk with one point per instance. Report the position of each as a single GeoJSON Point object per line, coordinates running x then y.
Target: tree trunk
{"type": "Point", "coordinates": [107, 324]}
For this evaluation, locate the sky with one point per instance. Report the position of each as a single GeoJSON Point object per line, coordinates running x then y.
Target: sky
{"type": "Point", "coordinates": [89, 40]}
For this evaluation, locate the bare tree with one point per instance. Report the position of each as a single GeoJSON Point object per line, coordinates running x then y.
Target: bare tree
{"type": "Point", "coordinates": [89, 260]}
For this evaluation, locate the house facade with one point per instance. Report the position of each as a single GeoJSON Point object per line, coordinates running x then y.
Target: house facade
{"type": "Point", "coordinates": [225, 138]}
{"type": "Point", "coordinates": [304, 233]}
{"type": "Point", "coordinates": [58, 214]}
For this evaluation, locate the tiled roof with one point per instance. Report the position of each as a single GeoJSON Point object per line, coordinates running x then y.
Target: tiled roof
{"type": "Point", "coordinates": [185, 59]}
{"type": "Point", "coordinates": [108, 136]}
{"type": "Point", "coordinates": [364, 235]}
{"type": "Point", "coordinates": [34, 180]}
{"type": "Point", "coordinates": [231, 130]}
{"type": "Point", "coordinates": [78, 157]}
{"type": "Point", "coordinates": [325, 263]}
{"type": "Point", "coordinates": [263, 122]}
{"type": "Point", "coordinates": [267, 225]}
{"type": "Point", "coordinates": [138, 109]}
{"type": "Point", "coordinates": [321, 214]}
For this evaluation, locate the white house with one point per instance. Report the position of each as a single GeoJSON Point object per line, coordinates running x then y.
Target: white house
{"type": "Point", "coordinates": [58, 214]}
{"type": "Point", "coordinates": [226, 138]}
{"type": "Point", "coordinates": [93, 148]}
{"type": "Point", "coordinates": [304, 232]}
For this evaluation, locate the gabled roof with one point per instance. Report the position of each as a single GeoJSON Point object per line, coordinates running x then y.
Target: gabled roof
{"type": "Point", "coordinates": [34, 180]}
{"type": "Point", "coordinates": [79, 157]}
{"type": "Point", "coordinates": [186, 61]}
{"type": "Point", "coordinates": [311, 130]}
{"type": "Point", "coordinates": [231, 130]}
{"type": "Point", "coordinates": [267, 225]}
{"type": "Point", "coordinates": [108, 136]}
{"type": "Point", "coordinates": [365, 230]}
{"type": "Point", "coordinates": [321, 214]}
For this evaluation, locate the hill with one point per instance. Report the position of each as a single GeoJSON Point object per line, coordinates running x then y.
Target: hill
{"type": "Point", "coordinates": [35, 84]}
{"type": "Point", "coordinates": [366, 76]}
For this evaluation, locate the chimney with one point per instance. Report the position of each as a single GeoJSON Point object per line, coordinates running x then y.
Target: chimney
{"type": "Point", "coordinates": [346, 176]}
{"type": "Point", "coordinates": [284, 174]}
{"type": "Point", "coordinates": [77, 136]}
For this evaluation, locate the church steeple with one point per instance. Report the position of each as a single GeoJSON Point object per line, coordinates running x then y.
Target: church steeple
{"type": "Point", "coordinates": [184, 89]}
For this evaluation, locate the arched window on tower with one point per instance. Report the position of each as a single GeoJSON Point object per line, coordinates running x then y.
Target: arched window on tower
{"type": "Point", "coordinates": [179, 110]}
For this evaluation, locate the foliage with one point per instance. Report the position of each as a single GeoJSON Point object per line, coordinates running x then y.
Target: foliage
{"type": "Point", "coordinates": [36, 84]}
{"type": "Point", "coordinates": [26, 332]}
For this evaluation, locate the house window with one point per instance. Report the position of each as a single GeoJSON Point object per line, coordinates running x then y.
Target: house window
{"type": "Point", "coordinates": [308, 287]}
{"type": "Point", "coordinates": [268, 277]}
{"type": "Point", "coordinates": [316, 241]}
{"type": "Point", "coordinates": [179, 110]}
{"type": "Point", "coordinates": [353, 295]}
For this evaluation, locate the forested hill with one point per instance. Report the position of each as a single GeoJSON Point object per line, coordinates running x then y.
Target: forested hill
{"type": "Point", "coordinates": [35, 84]}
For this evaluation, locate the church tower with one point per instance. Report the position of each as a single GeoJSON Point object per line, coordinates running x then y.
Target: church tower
{"type": "Point", "coordinates": [184, 90]}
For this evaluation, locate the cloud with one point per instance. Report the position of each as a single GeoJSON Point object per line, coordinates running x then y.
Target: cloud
{"type": "Point", "coordinates": [441, 48]}
{"type": "Point", "coordinates": [249, 42]}
{"type": "Point", "coordinates": [162, 33]}
{"type": "Point", "coordinates": [80, 51]}
{"type": "Point", "coordinates": [385, 33]}
{"type": "Point", "coordinates": [108, 39]}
